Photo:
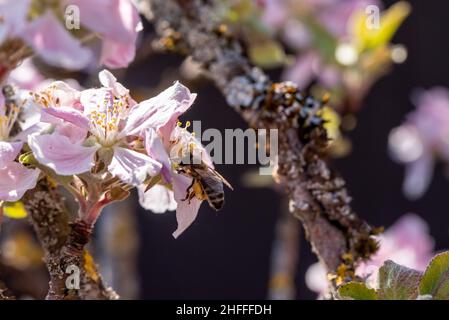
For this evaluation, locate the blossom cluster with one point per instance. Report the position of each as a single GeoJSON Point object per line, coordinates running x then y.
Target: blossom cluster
{"type": "Point", "coordinates": [99, 143]}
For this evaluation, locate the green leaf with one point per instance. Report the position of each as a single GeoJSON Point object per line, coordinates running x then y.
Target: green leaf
{"type": "Point", "coordinates": [390, 22]}
{"type": "Point", "coordinates": [357, 291]}
{"type": "Point", "coordinates": [397, 282]}
{"type": "Point", "coordinates": [435, 281]}
{"type": "Point", "coordinates": [27, 158]}
{"type": "Point", "coordinates": [267, 54]}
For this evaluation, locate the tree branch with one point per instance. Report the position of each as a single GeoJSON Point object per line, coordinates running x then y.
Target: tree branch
{"type": "Point", "coordinates": [63, 243]}
{"type": "Point", "coordinates": [318, 197]}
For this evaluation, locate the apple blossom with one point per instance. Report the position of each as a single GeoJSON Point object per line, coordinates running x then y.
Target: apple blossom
{"type": "Point", "coordinates": [423, 138]}
{"type": "Point", "coordinates": [15, 179]}
{"type": "Point", "coordinates": [170, 152]}
{"type": "Point", "coordinates": [407, 242]}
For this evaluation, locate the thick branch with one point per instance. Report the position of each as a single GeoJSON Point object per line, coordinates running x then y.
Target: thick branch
{"type": "Point", "coordinates": [63, 244]}
{"type": "Point", "coordinates": [318, 197]}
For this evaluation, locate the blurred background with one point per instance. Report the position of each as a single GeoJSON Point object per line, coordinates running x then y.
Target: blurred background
{"type": "Point", "coordinates": [228, 255]}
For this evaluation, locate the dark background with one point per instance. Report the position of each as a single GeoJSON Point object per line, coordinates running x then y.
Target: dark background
{"type": "Point", "coordinates": [227, 255]}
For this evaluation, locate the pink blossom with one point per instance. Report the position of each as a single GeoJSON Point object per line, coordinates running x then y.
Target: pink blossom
{"type": "Point", "coordinates": [15, 179]}
{"type": "Point", "coordinates": [407, 243]}
{"type": "Point", "coordinates": [104, 125]}
{"type": "Point", "coordinates": [115, 21]}
{"type": "Point", "coordinates": [118, 28]}
{"type": "Point", "coordinates": [170, 152]}
{"type": "Point", "coordinates": [422, 138]}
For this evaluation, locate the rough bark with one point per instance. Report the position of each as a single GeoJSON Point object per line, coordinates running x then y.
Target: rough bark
{"type": "Point", "coordinates": [64, 245]}
{"type": "Point", "coordinates": [317, 195]}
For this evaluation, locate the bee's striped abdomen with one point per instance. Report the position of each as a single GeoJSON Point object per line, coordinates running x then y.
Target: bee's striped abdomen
{"type": "Point", "coordinates": [213, 189]}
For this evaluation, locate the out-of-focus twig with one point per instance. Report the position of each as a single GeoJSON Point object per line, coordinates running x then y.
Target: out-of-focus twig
{"type": "Point", "coordinates": [284, 258]}
{"type": "Point", "coordinates": [63, 243]}
{"type": "Point", "coordinates": [317, 195]}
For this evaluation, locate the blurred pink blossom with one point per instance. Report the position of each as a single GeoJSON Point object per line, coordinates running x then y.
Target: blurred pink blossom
{"type": "Point", "coordinates": [407, 242]}
{"type": "Point", "coordinates": [15, 179]}
{"type": "Point", "coordinates": [57, 46]}
{"type": "Point", "coordinates": [423, 138]}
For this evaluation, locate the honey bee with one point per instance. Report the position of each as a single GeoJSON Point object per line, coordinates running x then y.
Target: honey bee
{"type": "Point", "coordinates": [207, 183]}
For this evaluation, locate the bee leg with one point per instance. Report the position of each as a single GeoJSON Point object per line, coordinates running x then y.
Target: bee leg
{"type": "Point", "coordinates": [189, 192]}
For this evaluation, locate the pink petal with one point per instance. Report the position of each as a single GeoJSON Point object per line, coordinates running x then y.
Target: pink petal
{"type": "Point", "coordinates": [68, 114]}
{"type": "Point", "coordinates": [187, 211]}
{"type": "Point", "coordinates": [55, 45]}
{"type": "Point", "coordinates": [108, 80]}
{"type": "Point", "coordinates": [117, 54]}
{"type": "Point", "coordinates": [60, 154]}
{"type": "Point", "coordinates": [15, 180]}
{"type": "Point", "coordinates": [120, 22]}
{"type": "Point", "coordinates": [418, 175]}
{"type": "Point", "coordinates": [2, 104]}
{"type": "Point", "coordinates": [14, 14]}
{"type": "Point", "coordinates": [162, 110]}
{"type": "Point", "coordinates": [133, 167]}
{"type": "Point", "coordinates": [158, 199]}
{"type": "Point", "coordinates": [118, 28]}
{"type": "Point", "coordinates": [9, 152]}
{"type": "Point", "coordinates": [155, 149]}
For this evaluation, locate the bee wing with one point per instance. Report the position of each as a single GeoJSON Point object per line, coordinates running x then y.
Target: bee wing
{"type": "Point", "coordinates": [221, 178]}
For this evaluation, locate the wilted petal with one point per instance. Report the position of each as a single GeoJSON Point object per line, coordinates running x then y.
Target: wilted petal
{"type": "Point", "coordinates": [57, 152]}
{"type": "Point", "coordinates": [133, 167]}
{"type": "Point", "coordinates": [9, 152]}
{"type": "Point", "coordinates": [15, 180]}
{"type": "Point", "coordinates": [55, 45]}
{"type": "Point", "coordinates": [159, 111]}
{"type": "Point", "coordinates": [26, 75]}
{"type": "Point", "coordinates": [186, 211]}
{"type": "Point", "coordinates": [158, 199]}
